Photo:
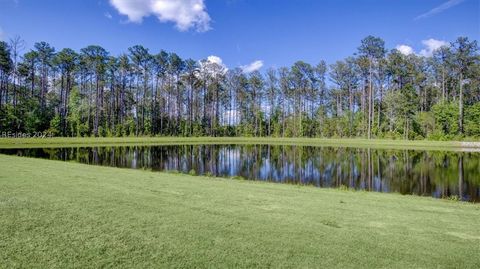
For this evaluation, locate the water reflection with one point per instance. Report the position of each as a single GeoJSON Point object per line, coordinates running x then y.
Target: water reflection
{"type": "Point", "coordinates": [427, 173]}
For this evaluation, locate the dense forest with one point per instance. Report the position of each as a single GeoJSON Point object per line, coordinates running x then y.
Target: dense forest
{"type": "Point", "coordinates": [375, 93]}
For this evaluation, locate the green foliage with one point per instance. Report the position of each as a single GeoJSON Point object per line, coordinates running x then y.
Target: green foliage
{"type": "Point", "coordinates": [140, 93]}
{"type": "Point", "coordinates": [8, 117]}
{"type": "Point", "coordinates": [446, 118]}
{"type": "Point", "coordinates": [426, 122]}
{"type": "Point", "coordinates": [54, 128]}
{"type": "Point", "coordinates": [401, 106]}
{"type": "Point", "coordinates": [472, 120]}
{"type": "Point", "coordinates": [6, 63]}
{"type": "Point", "coordinates": [130, 127]}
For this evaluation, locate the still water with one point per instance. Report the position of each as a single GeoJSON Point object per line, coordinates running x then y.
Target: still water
{"type": "Point", "coordinates": [428, 173]}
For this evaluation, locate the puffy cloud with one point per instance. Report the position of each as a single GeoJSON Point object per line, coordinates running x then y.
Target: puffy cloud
{"type": "Point", "coordinates": [432, 45]}
{"type": "Point", "coordinates": [254, 66]}
{"type": "Point", "coordinates": [108, 15]}
{"type": "Point", "coordinates": [405, 49]}
{"type": "Point", "coordinates": [213, 65]}
{"type": "Point", "coordinates": [446, 5]}
{"type": "Point", "coordinates": [185, 14]}
{"type": "Point", "coordinates": [215, 59]}
{"type": "Point", "coordinates": [135, 10]}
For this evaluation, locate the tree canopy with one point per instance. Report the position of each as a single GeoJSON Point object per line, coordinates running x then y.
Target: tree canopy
{"type": "Point", "coordinates": [374, 93]}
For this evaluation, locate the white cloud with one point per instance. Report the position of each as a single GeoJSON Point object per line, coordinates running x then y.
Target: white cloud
{"type": "Point", "coordinates": [215, 59]}
{"type": "Point", "coordinates": [446, 5]}
{"type": "Point", "coordinates": [108, 15]}
{"type": "Point", "coordinates": [254, 66]}
{"type": "Point", "coordinates": [405, 49]}
{"type": "Point", "coordinates": [185, 14]}
{"type": "Point", "coordinates": [432, 45]}
{"type": "Point", "coordinates": [213, 65]}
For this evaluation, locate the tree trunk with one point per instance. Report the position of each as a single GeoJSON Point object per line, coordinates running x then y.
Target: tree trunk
{"type": "Point", "coordinates": [460, 105]}
{"type": "Point", "coordinates": [443, 84]}
{"type": "Point", "coordinates": [97, 107]}
{"type": "Point", "coordinates": [369, 130]}
{"type": "Point", "coordinates": [380, 107]}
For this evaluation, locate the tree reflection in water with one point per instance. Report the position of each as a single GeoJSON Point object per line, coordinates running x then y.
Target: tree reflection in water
{"type": "Point", "coordinates": [428, 173]}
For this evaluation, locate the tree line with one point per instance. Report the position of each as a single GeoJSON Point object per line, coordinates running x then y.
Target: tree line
{"type": "Point", "coordinates": [375, 93]}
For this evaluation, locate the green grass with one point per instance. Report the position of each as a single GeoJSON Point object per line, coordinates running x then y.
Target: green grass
{"type": "Point", "coordinates": [58, 214]}
{"type": "Point", "coordinates": [344, 142]}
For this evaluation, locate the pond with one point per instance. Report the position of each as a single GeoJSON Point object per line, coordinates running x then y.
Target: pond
{"type": "Point", "coordinates": [440, 174]}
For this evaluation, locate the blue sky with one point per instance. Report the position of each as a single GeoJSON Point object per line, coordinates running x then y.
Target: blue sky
{"type": "Point", "coordinates": [272, 32]}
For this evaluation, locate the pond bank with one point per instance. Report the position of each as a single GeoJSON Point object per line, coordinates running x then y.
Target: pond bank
{"type": "Point", "coordinates": [345, 142]}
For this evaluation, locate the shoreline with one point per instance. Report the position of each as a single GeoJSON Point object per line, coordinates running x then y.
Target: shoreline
{"type": "Point", "coordinates": [56, 142]}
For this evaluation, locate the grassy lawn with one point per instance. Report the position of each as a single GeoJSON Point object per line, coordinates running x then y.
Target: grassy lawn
{"type": "Point", "coordinates": [59, 214]}
{"type": "Point", "coordinates": [344, 142]}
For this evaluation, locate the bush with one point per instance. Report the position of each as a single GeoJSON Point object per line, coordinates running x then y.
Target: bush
{"type": "Point", "coordinates": [472, 120]}
{"type": "Point", "coordinates": [446, 118]}
{"type": "Point", "coordinates": [54, 128]}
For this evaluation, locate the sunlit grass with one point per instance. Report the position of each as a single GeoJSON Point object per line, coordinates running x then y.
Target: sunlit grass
{"type": "Point", "coordinates": [344, 142]}
{"type": "Point", "coordinates": [58, 214]}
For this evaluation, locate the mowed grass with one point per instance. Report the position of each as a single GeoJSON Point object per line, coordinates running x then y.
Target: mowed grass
{"type": "Point", "coordinates": [58, 215]}
{"type": "Point", "coordinates": [342, 142]}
